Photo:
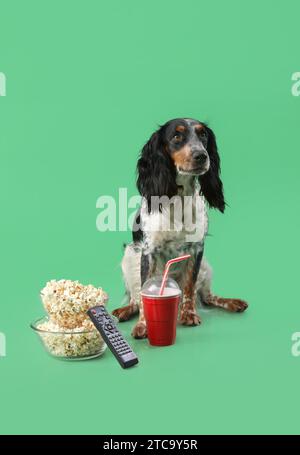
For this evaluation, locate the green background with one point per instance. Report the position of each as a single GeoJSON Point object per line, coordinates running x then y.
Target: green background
{"type": "Point", "coordinates": [87, 83]}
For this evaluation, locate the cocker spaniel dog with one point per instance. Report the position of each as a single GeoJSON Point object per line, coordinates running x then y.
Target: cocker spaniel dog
{"type": "Point", "coordinates": [178, 175]}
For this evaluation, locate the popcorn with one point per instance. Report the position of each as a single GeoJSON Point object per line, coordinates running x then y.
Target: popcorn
{"type": "Point", "coordinates": [67, 302]}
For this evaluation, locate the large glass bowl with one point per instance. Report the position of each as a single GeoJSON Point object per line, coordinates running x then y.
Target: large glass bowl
{"type": "Point", "coordinates": [73, 344]}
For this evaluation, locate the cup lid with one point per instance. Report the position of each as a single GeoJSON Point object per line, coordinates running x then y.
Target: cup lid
{"type": "Point", "coordinates": [152, 286]}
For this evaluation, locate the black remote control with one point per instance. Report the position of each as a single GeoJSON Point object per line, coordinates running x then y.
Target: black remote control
{"type": "Point", "coordinates": [105, 324]}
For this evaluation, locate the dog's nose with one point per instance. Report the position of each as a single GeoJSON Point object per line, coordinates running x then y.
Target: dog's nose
{"type": "Point", "coordinates": [199, 156]}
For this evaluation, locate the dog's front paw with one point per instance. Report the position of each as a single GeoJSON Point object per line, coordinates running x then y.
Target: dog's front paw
{"type": "Point", "coordinates": [189, 318]}
{"type": "Point", "coordinates": [139, 330]}
{"type": "Point", "coordinates": [126, 312]}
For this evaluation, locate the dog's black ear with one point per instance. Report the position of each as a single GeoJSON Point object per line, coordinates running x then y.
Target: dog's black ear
{"type": "Point", "coordinates": [156, 173]}
{"type": "Point", "coordinates": [210, 182]}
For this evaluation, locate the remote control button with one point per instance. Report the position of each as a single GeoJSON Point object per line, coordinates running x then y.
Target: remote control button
{"type": "Point", "coordinates": [108, 326]}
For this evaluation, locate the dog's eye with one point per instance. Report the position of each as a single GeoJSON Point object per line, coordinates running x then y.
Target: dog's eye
{"type": "Point", "coordinates": [202, 134]}
{"type": "Point", "coordinates": [177, 137]}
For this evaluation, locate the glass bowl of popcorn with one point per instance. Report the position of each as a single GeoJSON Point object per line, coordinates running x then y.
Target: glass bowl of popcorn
{"type": "Point", "coordinates": [67, 332]}
{"type": "Point", "coordinates": [79, 343]}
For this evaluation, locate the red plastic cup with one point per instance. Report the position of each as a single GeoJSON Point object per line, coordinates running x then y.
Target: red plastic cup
{"type": "Point", "coordinates": [161, 314]}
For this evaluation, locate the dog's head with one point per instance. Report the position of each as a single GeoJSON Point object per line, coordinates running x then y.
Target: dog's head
{"type": "Point", "coordinates": [181, 146]}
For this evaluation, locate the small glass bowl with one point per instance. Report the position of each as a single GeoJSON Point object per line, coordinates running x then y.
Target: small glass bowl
{"type": "Point", "coordinates": [70, 344]}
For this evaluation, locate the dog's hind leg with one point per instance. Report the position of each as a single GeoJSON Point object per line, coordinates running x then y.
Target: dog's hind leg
{"type": "Point", "coordinates": [208, 298]}
{"type": "Point", "coordinates": [131, 273]}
